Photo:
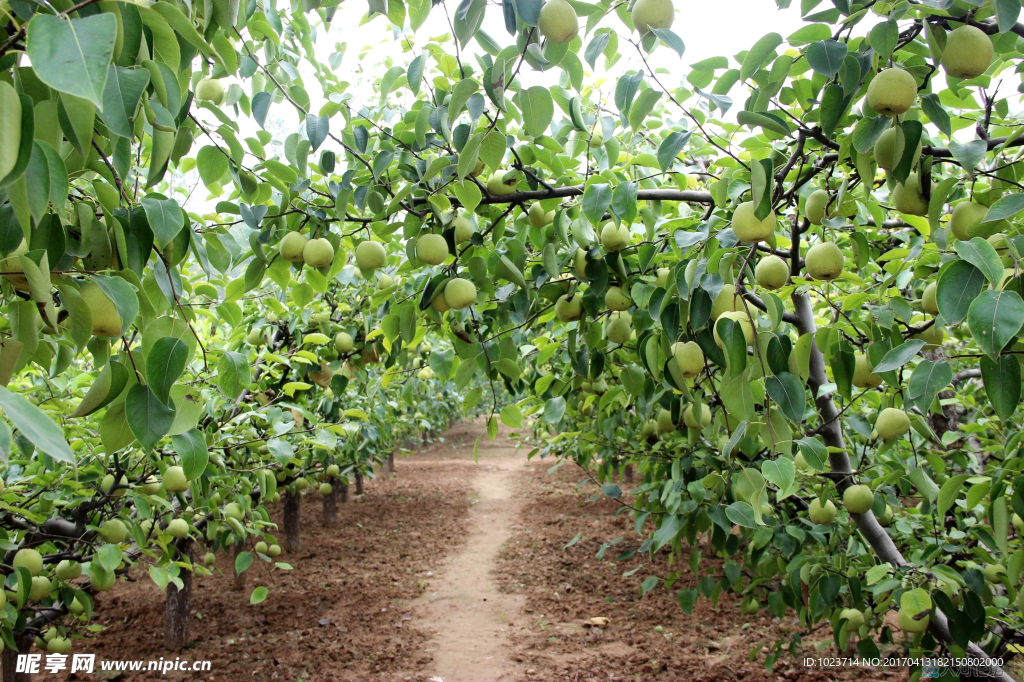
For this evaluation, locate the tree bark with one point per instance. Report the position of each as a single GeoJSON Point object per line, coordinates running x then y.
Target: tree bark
{"type": "Point", "coordinates": [292, 541]}
{"type": "Point", "coordinates": [179, 605]}
{"type": "Point", "coordinates": [359, 483]}
{"type": "Point", "coordinates": [627, 473]}
{"type": "Point", "coordinates": [9, 660]}
{"type": "Point", "coordinates": [832, 432]}
{"type": "Point", "coordinates": [240, 578]}
{"type": "Point", "coordinates": [342, 489]}
{"type": "Point", "coordinates": [330, 507]}
{"type": "Point", "coordinates": [389, 468]}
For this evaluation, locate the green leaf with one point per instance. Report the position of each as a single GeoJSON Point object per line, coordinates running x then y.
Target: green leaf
{"type": "Point", "coordinates": [165, 218]}
{"type": "Point", "coordinates": [597, 199]}
{"type": "Point", "coordinates": [667, 532]}
{"type": "Point", "coordinates": [317, 130]}
{"type": "Point", "coordinates": [671, 147]}
{"type": "Point", "coordinates": [233, 374]}
{"type": "Point", "coordinates": [121, 95]}
{"type": "Point", "coordinates": [72, 55]}
{"type": "Point", "coordinates": [123, 295]}
{"type": "Point", "coordinates": [994, 318]}
{"type": "Point", "coordinates": [164, 364]}
{"type": "Point", "coordinates": [191, 448]}
{"type": "Point", "coordinates": [1006, 207]}
{"type": "Point", "coordinates": [492, 149]}
{"type": "Point", "coordinates": [957, 285]}
{"type": "Point", "coordinates": [212, 166]}
{"type": "Point", "coordinates": [814, 452]}
{"type": "Point", "coordinates": [928, 379]}
{"type": "Point", "coordinates": [243, 560]}
{"type": "Point", "coordinates": [781, 472]}
{"type": "Point", "coordinates": [982, 255]}
{"type": "Point", "coordinates": [554, 410]}
{"type": "Point", "coordinates": [884, 37]}
{"type": "Point", "coordinates": [969, 154]}
{"type": "Point", "coordinates": [460, 95]}
{"type": "Point", "coordinates": [742, 514]}
{"type": "Point", "coordinates": [109, 556]}
{"type": "Point", "coordinates": [764, 120]}
{"type": "Point", "coordinates": [108, 385]}
{"type": "Point", "coordinates": [899, 356]}
{"type": "Point", "coordinates": [260, 593]}
{"type": "Point", "coordinates": [788, 393]}
{"type": "Point", "coordinates": [148, 418]}
{"type": "Point", "coordinates": [538, 110]}
{"type": "Point", "coordinates": [826, 57]}
{"type": "Point", "coordinates": [1007, 12]}
{"type": "Point", "coordinates": [512, 417]}
{"type": "Point", "coordinates": [34, 425]}
{"type": "Point", "coordinates": [469, 155]}
{"type": "Point", "coordinates": [760, 53]}
{"type": "Point", "coordinates": [467, 193]}
{"type": "Point", "coordinates": [1002, 378]}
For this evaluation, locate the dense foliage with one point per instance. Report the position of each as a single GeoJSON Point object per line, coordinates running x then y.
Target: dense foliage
{"type": "Point", "coordinates": [784, 284]}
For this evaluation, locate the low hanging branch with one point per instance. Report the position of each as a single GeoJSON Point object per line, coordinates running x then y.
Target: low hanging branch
{"type": "Point", "coordinates": [684, 195]}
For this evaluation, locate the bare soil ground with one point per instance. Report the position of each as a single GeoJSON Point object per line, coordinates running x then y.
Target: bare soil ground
{"type": "Point", "coordinates": [453, 571]}
{"type": "Point", "coordinates": [566, 587]}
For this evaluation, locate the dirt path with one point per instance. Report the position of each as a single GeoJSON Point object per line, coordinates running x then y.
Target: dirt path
{"type": "Point", "coordinates": [463, 610]}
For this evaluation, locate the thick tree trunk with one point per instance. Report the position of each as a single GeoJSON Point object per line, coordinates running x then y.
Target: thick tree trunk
{"type": "Point", "coordinates": [292, 542]}
{"type": "Point", "coordinates": [359, 483]}
{"type": "Point", "coordinates": [389, 468]}
{"type": "Point", "coordinates": [330, 507]}
{"type": "Point", "coordinates": [179, 605]}
{"type": "Point", "coordinates": [627, 473]}
{"type": "Point", "coordinates": [9, 660]}
{"type": "Point", "coordinates": [240, 578]}
{"type": "Point", "coordinates": [342, 489]}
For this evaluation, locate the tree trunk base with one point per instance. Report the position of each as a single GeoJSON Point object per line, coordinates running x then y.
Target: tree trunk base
{"type": "Point", "coordinates": [179, 606]}
{"type": "Point", "coordinates": [389, 467]}
{"type": "Point", "coordinates": [292, 542]}
{"type": "Point", "coordinates": [9, 662]}
{"type": "Point", "coordinates": [330, 507]}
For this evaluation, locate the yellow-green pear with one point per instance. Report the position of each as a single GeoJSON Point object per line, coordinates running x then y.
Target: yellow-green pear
{"type": "Point", "coordinates": [822, 514]}
{"type": "Point", "coordinates": [370, 255]}
{"type": "Point", "coordinates": [616, 298]}
{"type": "Point", "coordinates": [177, 528]}
{"type": "Point", "coordinates": [746, 326]}
{"type": "Point", "coordinates": [907, 622]}
{"type": "Point", "coordinates": [499, 187]}
{"type": "Point", "coordinates": [697, 416]}
{"type": "Point", "coordinates": [30, 559]}
{"type": "Point", "coordinates": [889, 149]}
{"type": "Point", "coordinates": [726, 301]}
{"type": "Point", "coordinates": [854, 619]}
{"type": "Point", "coordinates": [814, 208]}
{"type": "Point", "coordinates": [824, 261]}
{"type": "Point", "coordinates": [928, 301]}
{"type": "Point", "coordinates": [343, 342]}
{"type": "Point", "coordinates": [661, 278]}
{"type": "Point", "coordinates": [863, 374]}
{"type": "Point", "coordinates": [292, 245]}
{"type": "Point", "coordinates": [459, 293]}
{"type": "Point", "coordinates": [892, 92]}
{"type": "Point", "coordinates": [689, 358]}
{"type": "Point", "coordinates": [538, 216]}
{"type": "Point", "coordinates": [318, 253]}
{"type": "Point", "coordinates": [614, 237]}
{"type": "Point", "coordinates": [114, 531]}
{"type": "Point", "coordinates": [386, 281]}
{"type": "Point", "coordinates": [858, 499]}
{"type": "Point", "coordinates": [105, 320]}
{"type": "Point", "coordinates": [619, 327]}
{"type": "Point", "coordinates": [909, 198]}
{"type": "Point", "coordinates": [463, 229]}
{"type": "Point", "coordinates": [569, 308]}
{"type": "Point", "coordinates": [771, 272]}
{"type": "Point", "coordinates": [747, 228]}
{"type": "Point", "coordinates": [210, 90]}
{"type": "Point", "coordinates": [174, 480]}
{"type": "Point", "coordinates": [558, 21]}
{"type": "Point", "coordinates": [892, 423]}
{"type": "Point", "coordinates": [648, 14]}
{"type": "Point", "coordinates": [665, 422]}
{"type": "Point", "coordinates": [579, 264]}
{"type": "Point", "coordinates": [965, 222]}
{"type": "Point", "coordinates": [968, 52]}
{"type": "Point", "coordinates": [432, 249]}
